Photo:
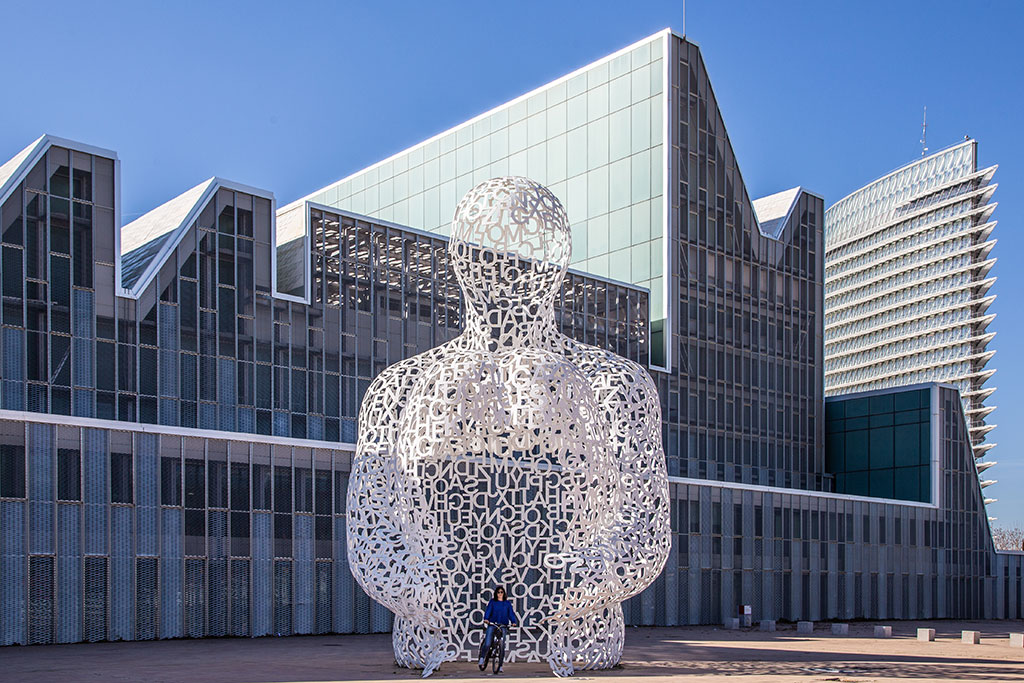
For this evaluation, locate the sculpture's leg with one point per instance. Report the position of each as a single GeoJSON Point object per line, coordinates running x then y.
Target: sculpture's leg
{"type": "Point", "coordinates": [601, 638]}
{"type": "Point", "coordinates": [593, 642]}
{"type": "Point", "coordinates": [560, 651]}
{"type": "Point", "coordinates": [417, 646]}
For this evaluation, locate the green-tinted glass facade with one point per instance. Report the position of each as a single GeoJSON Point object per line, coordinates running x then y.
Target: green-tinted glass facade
{"type": "Point", "coordinates": [595, 138]}
{"type": "Point", "coordinates": [880, 445]}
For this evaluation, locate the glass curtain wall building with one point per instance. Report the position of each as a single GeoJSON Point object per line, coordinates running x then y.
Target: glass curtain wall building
{"type": "Point", "coordinates": [635, 146]}
{"type": "Point", "coordinates": [179, 398]}
{"type": "Point", "coordinates": [907, 281]}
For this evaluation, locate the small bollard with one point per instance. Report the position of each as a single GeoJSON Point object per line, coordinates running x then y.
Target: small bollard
{"type": "Point", "coordinates": [747, 615]}
{"type": "Point", "coordinates": [840, 629]}
{"type": "Point", "coordinates": [732, 623]}
{"type": "Point", "coordinates": [1017, 640]}
{"type": "Point", "coordinates": [748, 621]}
{"type": "Point", "coordinates": [926, 635]}
{"type": "Point", "coordinates": [970, 637]}
{"type": "Point", "coordinates": [883, 632]}
{"type": "Point", "coordinates": [767, 625]}
{"type": "Point", "coordinates": [805, 627]}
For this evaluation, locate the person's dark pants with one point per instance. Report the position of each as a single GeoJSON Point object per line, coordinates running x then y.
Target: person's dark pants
{"type": "Point", "coordinates": [488, 639]}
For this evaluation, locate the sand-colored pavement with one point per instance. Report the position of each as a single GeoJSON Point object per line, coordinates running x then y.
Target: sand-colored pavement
{"type": "Point", "coordinates": [702, 654]}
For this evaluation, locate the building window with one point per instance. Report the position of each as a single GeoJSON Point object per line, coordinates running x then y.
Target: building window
{"type": "Point", "coordinates": [12, 471]}
{"type": "Point", "coordinates": [69, 474]}
{"type": "Point", "coordinates": [121, 478]}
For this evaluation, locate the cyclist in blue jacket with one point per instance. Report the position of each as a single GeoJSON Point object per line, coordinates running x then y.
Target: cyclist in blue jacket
{"type": "Point", "coordinates": [499, 613]}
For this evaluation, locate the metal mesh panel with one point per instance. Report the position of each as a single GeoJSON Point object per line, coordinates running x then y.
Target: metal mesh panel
{"type": "Point", "coordinates": [122, 588]}
{"type": "Point", "coordinates": [659, 599]}
{"type": "Point", "coordinates": [693, 586]}
{"type": "Point", "coordinates": [147, 537]}
{"type": "Point", "coordinates": [81, 366]}
{"type": "Point", "coordinates": [96, 474]}
{"type": "Point", "coordinates": [40, 600]}
{"type": "Point", "coordinates": [706, 598]}
{"type": "Point", "coordinates": [304, 581]}
{"type": "Point", "coordinates": [904, 597]}
{"type": "Point", "coordinates": [168, 330]}
{"type": "Point", "coordinates": [12, 573]}
{"type": "Point", "coordinates": [147, 477]}
{"type": "Point", "coordinates": [343, 582]}
{"type": "Point", "coordinates": [171, 574]}
{"type": "Point", "coordinates": [69, 573]}
{"type": "Point", "coordinates": [323, 597]}
{"type": "Point", "coordinates": [682, 593]}
{"type": "Point", "coordinates": [40, 488]}
{"type": "Point", "coordinates": [168, 373]}
{"type": "Point", "coordinates": [37, 398]}
{"type": "Point", "coordinates": [217, 534]}
{"type": "Point", "coordinates": [14, 355]}
{"type": "Point", "coordinates": [282, 597]}
{"type": "Point", "coordinates": [262, 575]}
{"type": "Point", "coordinates": [13, 392]}
{"type": "Point", "coordinates": [82, 321]}
{"type": "Point", "coordinates": [239, 597]}
{"type": "Point", "coordinates": [147, 598]}
{"type": "Point", "coordinates": [217, 591]}
{"type": "Point", "coordinates": [40, 521]}
{"type": "Point", "coordinates": [361, 610]}
{"type": "Point", "coordinates": [40, 462]}
{"type": "Point", "coordinates": [380, 618]}
{"type": "Point", "coordinates": [195, 598]}
{"type": "Point", "coordinates": [95, 599]}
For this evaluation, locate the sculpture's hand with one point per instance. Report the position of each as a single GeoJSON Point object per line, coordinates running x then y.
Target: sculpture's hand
{"type": "Point", "coordinates": [595, 583]}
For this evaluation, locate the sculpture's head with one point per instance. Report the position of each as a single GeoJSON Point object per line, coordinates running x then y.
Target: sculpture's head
{"type": "Point", "coordinates": [510, 244]}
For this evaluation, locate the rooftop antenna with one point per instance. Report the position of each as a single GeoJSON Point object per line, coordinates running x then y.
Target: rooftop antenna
{"type": "Point", "coordinates": [924, 133]}
{"type": "Point", "coordinates": [684, 18]}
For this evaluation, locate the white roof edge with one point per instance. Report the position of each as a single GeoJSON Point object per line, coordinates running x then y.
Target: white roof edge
{"type": "Point", "coordinates": [31, 154]}
{"type": "Point", "coordinates": [82, 147]}
{"type": "Point", "coordinates": [212, 185]}
{"type": "Point", "coordinates": [149, 428]}
{"type": "Point", "coordinates": [784, 217]}
{"type": "Point", "coordinates": [690, 481]}
{"type": "Point", "coordinates": [893, 389]}
{"type": "Point", "coordinates": [607, 58]}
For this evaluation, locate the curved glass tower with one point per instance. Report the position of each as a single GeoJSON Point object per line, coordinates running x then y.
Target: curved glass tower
{"type": "Point", "coordinates": [907, 264]}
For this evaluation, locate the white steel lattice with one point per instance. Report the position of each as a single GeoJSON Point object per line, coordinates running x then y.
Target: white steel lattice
{"type": "Point", "coordinates": [511, 455]}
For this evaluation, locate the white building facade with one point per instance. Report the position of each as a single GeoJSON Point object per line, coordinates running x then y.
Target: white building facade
{"type": "Point", "coordinates": [907, 282]}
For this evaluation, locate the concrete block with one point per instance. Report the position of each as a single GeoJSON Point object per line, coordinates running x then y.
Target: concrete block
{"type": "Point", "coordinates": [805, 627]}
{"type": "Point", "coordinates": [926, 635]}
{"type": "Point", "coordinates": [970, 637]}
{"type": "Point", "coordinates": [767, 624]}
{"type": "Point", "coordinates": [747, 620]}
{"type": "Point", "coordinates": [840, 629]}
{"type": "Point", "coordinates": [732, 623]}
{"type": "Point", "coordinates": [1017, 640]}
{"type": "Point", "coordinates": [883, 632]}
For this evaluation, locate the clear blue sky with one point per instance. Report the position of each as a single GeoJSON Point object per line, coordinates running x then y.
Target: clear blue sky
{"type": "Point", "coordinates": [290, 96]}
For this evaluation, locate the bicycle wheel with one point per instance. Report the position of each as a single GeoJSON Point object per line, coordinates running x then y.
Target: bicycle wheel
{"type": "Point", "coordinates": [499, 656]}
{"type": "Point", "coordinates": [485, 653]}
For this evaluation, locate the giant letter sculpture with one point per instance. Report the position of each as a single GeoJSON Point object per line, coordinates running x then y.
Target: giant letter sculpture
{"type": "Point", "coordinates": [510, 455]}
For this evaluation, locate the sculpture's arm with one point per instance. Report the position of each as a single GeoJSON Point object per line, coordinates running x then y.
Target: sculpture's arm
{"type": "Point", "coordinates": [386, 554]}
{"type": "Point", "coordinates": [643, 529]}
{"type": "Point", "coordinates": [632, 544]}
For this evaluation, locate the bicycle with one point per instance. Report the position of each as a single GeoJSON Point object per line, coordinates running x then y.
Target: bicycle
{"type": "Point", "coordinates": [496, 652]}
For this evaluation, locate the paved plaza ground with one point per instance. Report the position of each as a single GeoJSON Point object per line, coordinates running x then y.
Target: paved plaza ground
{"type": "Point", "coordinates": [652, 654]}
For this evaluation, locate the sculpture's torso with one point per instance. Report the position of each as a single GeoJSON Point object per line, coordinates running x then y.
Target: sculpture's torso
{"type": "Point", "coordinates": [511, 474]}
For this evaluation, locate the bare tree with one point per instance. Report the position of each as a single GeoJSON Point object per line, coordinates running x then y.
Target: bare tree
{"type": "Point", "coordinates": [1008, 538]}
